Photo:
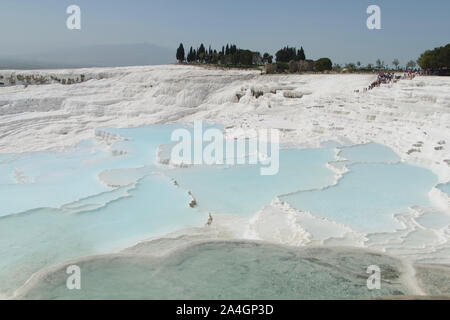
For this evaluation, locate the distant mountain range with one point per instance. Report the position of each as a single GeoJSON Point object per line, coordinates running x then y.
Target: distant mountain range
{"type": "Point", "coordinates": [92, 56]}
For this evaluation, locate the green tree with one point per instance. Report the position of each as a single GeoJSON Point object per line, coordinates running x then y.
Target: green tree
{"type": "Point", "coordinates": [245, 57]}
{"type": "Point", "coordinates": [323, 64]}
{"type": "Point", "coordinates": [267, 58]}
{"type": "Point", "coordinates": [191, 56]}
{"type": "Point", "coordinates": [350, 66]}
{"type": "Point", "coordinates": [286, 54]}
{"type": "Point", "coordinates": [435, 59]}
{"type": "Point", "coordinates": [180, 53]}
{"type": "Point", "coordinates": [222, 59]}
{"type": "Point", "coordinates": [301, 54]}
{"type": "Point", "coordinates": [214, 57]}
{"type": "Point", "coordinates": [195, 55]}
{"type": "Point", "coordinates": [201, 53]}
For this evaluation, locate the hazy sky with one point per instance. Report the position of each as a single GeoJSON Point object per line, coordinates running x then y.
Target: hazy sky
{"type": "Point", "coordinates": [332, 28]}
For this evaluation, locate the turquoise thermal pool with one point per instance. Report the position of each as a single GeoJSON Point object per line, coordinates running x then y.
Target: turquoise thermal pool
{"type": "Point", "coordinates": [96, 199]}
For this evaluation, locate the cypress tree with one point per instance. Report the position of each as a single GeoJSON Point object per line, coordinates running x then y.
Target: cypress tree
{"type": "Point", "coordinates": [301, 54]}
{"type": "Point", "coordinates": [181, 53]}
{"type": "Point", "coordinates": [201, 49]}
{"type": "Point", "coordinates": [201, 53]}
{"type": "Point", "coordinates": [191, 55]}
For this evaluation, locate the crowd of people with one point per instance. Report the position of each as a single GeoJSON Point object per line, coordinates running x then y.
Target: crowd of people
{"type": "Point", "coordinates": [389, 77]}
{"type": "Point", "coordinates": [383, 78]}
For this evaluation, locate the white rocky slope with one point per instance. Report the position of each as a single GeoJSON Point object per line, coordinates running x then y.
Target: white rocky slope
{"type": "Point", "coordinates": [412, 117]}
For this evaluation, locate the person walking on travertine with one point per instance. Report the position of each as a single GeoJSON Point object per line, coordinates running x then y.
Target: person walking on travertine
{"type": "Point", "coordinates": [210, 220]}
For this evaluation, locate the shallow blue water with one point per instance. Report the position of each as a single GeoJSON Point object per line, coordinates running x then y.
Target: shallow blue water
{"type": "Point", "coordinates": [369, 195]}
{"type": "Point", "coordinates": [242, 190]}
{"type": "Point", "coordinates": [52, 179]}
{"type": "Point", "coordinates": [445, 188]}
{"type": "Point", "coordinates": [43, 237]}
{"type": "Point", "coordinates": [228, 270]}
{"type": "Point", "coordinates": [66, 212]}
{"type": "Point", "coordinates": [376, 188]}
{"type": "Point", "coordinates": [435, 220]}
{"type": "Point", "coordinates": [47, 179]}
{"type": "Point", "coordinates": [370, 152]}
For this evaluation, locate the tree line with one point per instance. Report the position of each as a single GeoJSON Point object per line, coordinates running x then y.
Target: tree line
{"type": "Point", "coordinates": [231, 54]}
{"type": "Point", "coordinates": [288, 54]}
{"type": "Point", "coordinates": [288, 59]}
{"type": "Point", "coordinates": [228, 55]}
{"type": "Point", "coordinates": [378, 65]}
{"type": "Point", "coordinates": [436, 59]}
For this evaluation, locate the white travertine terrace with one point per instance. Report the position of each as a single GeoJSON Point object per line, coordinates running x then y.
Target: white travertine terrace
{"type": "Point", "coordinates": [412, 117]}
